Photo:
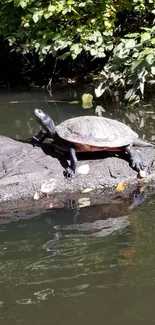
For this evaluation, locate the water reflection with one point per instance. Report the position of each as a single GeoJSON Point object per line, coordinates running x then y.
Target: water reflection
{"type": "Point", "coordinates": [54, 268]}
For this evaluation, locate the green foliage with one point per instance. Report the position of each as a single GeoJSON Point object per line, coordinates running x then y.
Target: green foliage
{"type": "Point", "coordinates": [63, 27]}
{"type": "Point", "coordinates": [132, 64]}
{"type": "Point", "coordinates": [97, 28]}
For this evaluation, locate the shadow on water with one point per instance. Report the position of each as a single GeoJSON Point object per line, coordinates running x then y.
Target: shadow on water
{"type": "Point", "coordinates": [90, 265]}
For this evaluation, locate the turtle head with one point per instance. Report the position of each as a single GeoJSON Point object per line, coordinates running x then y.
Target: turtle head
{"type": "Point", "coordinates": [45, 121]}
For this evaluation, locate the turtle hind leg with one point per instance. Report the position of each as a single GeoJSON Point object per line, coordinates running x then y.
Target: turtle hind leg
{"type": "Point", "coordinates": [136, 159]}
{"type": "Point", "coordinates": [68, 173]}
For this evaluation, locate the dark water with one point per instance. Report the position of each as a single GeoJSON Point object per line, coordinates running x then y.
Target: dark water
{"type": "Point", "coordinates": [91, 266]}
{"type": "Point", "coordinates": [17, 118]}
{"type": "Point", "coordinates": [55, 270]}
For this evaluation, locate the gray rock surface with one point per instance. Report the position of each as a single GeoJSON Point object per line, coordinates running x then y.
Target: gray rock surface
{"type": "Point", "coordinates": [32, 176]}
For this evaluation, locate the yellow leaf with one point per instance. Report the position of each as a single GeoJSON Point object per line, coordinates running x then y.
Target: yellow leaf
{"type": "Point", "coordinates": [120, 187]}
{"type": "Point", "coordinates": [86, 190]}
{"type": "Point", "coordinates": [84, 202]}
{"type": "Point", "coordinates": [87, 100]}
{"type": "Point", "coordinates": [142, 188]}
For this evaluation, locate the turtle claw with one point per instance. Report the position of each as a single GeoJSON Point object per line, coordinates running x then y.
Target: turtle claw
{"type": "Point", "coordinates": [136, 160]}
{"type": "Point", "coordinates": [31, 141]}
{"type": "Point", "coordinates": [138, 164]}
{"type": "Point", "coordinates": [68, 173]}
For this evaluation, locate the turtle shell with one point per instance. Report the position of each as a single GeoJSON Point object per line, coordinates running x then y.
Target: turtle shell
{"type": "Point", "coordinates": [98, 132]}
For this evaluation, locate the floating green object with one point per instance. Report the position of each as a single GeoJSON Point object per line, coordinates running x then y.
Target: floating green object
{"type": "Point", "coordinates": [74, 102]}
{"type": "Point", "coordinates": [87, 100]}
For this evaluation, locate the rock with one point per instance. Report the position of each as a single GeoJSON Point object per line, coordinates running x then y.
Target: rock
{"type": "Point", "coordinates": [31, 175]}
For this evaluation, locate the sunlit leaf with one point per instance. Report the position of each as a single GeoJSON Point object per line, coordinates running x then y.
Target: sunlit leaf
{"type": "Point", "coordinates": [35, 17]}
{"type": "Point", "coordinates": [129, 93]}
{"type": "Point", "coordinates": [153, 40]}
{"type": "Point", "coordinates": [136, 63]}
{"type": "Point", "coordinates": [23, 4]}
{"type": "Point", "coordinates": [51, 8]}
{"type": "Point", "coordinates": [130, 44]}
{"type": "Point", "coordinates": [87, 100]}
{"type": "Point", "coordinates": [150, 58]}
{"type": "Point", "coordinates": [109, 47]}
{"type": "Point", "coordinates": [132, 35]}
{"type": "Point", "coordinates": [142, 74]}
{"type": "Point", "coordinates": [75, 50]}
{"type": "Point", "coordinates": [99, 90]}
{"type": "Point", "coordinates": [141, 87]}
{"type": "Point", "coordinates": [153, 70]}
{"type": "Point", "coordinates": [145, 37]}
{"type": "Point", "coordinates": [147, 50]}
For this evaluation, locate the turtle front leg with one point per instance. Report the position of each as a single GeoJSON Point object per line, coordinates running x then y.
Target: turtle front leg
{"type": "Point", "coordinates": [69, 171]}
{"type": "Point", "coordinates": [39, 138]}
{"type": "Point", "coordinates": [136, 159]}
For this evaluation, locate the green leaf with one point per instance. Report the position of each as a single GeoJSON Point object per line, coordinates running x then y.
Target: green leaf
{"type": "Point", "coordinates": [142, 74]}
{"type": "Point", "coordinates": [23, 3]}
{"type": "Point", "coordinates": [76, 49]}
{"type": "Point", "coordinates": [136, 63]}
{"type": "Point", "coordinates": [153, 70]}
{"type": "Point", "coordinates": [145, 37]}
{"type": "Point", "coordinates": [109, 47]}
{"type": "Point", "coordinates": [51, 8]}
{"type": "Point", "coordinates": [132, 35]}
{"type": "Point", "coordinates": [11, 40]}
{"type": "Point", "coordinates": [141, 87]}
{"type": "Point", "coordinates": [150, 58]}
{"type": "Point", "coordinates": [94, 36]}
{"type": "Point", "coordinates": [130, 44]}
{"type": "Point", "coordinates": [147, 51]}
{"type": "Point", "coordinates": [146, 28]}
{"type": "Point", "coordinates": [93, 51]}
{"type": "Point", "coordinates": [129, 93]}
{"type": "Point", "coordinates": [35, 17]}
{"type": "Point", "coordinates": [153, 41]}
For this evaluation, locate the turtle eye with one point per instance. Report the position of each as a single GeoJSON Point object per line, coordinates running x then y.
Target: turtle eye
{"type": "Point", "coordinates": [39, 112]}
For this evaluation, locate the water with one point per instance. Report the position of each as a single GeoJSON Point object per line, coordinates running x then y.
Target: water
{"type": "Point", "coordinates": [17, 118]}
{"type": "Point", "coordinates": [53, 271]}
{"type": "Point", "coordinates": [95, 265]}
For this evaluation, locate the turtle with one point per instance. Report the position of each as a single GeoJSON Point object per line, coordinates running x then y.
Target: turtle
{"type": "Point", "coordinates": [91, 133]}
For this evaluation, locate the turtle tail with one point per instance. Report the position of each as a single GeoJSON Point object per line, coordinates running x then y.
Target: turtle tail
{"type": "Point", "coordinates": [143, 143]}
